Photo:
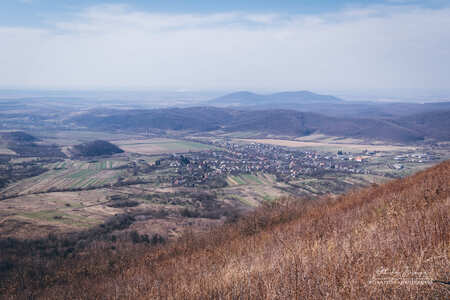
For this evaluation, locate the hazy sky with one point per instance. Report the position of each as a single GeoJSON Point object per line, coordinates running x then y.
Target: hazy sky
{"type": "Point", "coordinates": [200, 45]}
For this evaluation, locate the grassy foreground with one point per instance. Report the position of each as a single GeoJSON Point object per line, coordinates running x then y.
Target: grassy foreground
{"type": "Point", "coordinates": [384, 242]}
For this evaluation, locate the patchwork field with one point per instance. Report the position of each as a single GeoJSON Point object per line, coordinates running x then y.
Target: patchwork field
{"type": "Point", "coordinates": [245, 179]}
{"type": "Point", "coordinates": [317, 137]}
{"type": "Point", "coordinates": [160, 145]}
{"type": "Point", "coordinates": [252, 189]}
{"type": "Point", "coordinates": [69, 174]}
{"type": "Point", "coordinates": [39, 214]}
{"type": "Point", "coordinates": [330, 146]}
{"type": "Point", "coordinates": [50, 212]}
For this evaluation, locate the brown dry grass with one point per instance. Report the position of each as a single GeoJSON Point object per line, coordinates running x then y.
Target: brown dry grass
{"type": "Point", "coordinates": [330, 248]}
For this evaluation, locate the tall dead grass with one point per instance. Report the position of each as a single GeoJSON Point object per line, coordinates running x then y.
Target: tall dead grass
{"type": "Point", "coordinates": [328, 248]}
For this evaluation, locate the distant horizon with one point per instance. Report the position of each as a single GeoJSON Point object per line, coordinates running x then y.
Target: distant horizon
{"type": "Point", "coordinates": [378, 95]}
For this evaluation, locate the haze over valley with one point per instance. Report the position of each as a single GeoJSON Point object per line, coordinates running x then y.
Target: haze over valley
{"type": "Point", "coordinates": [239, 150]}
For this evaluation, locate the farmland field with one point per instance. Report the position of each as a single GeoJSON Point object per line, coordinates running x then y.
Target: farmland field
{"type": "Point", "coordinates": [328, 146]}
{"type": "Point", "coordinates": [246, 179]}
{"type": "Point", "coordinates": [50, 212]}
{"type": "Point", "coordinates": [69, 174]}
{"type": "Point", "coordinates": [73, 137]}
{"type": "Point", "coordinates": [316, 137]}
{"type": "Point", "coordinates": [160, 145]}
{"type": "Point", "coordinates": [253, 189]}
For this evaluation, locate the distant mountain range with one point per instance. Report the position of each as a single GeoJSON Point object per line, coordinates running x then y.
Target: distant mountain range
{"type": "Point", "coordinates": [332, 106]}
{"type": "Point", "coordinates": [245, 98]}
{"type": "Point", "coordinates": [413, 128]}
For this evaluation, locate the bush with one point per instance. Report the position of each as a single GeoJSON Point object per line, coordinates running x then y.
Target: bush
{"type": "Point", "coordinates": [190, 213]}
{"type": "Point", "coordinates": [124, 203]}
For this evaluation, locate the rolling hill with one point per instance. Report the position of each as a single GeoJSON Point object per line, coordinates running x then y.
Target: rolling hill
{"type": "Point", "coordinates": [195, 118]}
{"type": "Point", "coordinates": [26, 145]}
{"type": "Point", "coordinates": [432, 125]}
{"type": "Point", "coordinates": [332, 106]}
{"type": "Point", "coordinates": [294, 123]}
{"type": "Point", "coordinates": [17, 137]}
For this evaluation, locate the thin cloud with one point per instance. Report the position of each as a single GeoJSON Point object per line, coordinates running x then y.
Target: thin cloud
{"type": "Point", "coordinates": [117, 46]}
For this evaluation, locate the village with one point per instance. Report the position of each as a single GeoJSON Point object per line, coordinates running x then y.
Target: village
{"type": "Point", "coordinates": [213, 166]}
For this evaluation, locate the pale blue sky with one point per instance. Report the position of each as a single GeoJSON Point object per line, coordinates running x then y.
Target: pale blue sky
{"type": "Point", "coordinates": [182, 44]}
{"type": "Point", "coordinates": [35, 12]}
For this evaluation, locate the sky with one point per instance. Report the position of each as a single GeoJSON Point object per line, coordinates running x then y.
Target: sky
{"type": "Point", "coordinates": [225, 45]}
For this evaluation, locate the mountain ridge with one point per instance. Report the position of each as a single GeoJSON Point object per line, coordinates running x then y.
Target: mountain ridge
{"type": "Point", "coordinates": [275, 121]}
{"type": "Point", "coordinates": [246, 98]}
{"type": "Point", "coordinates": [306, 101]}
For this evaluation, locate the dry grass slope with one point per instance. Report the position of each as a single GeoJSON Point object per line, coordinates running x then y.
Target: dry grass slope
{"type": "Point", "coordinates": [329, 248]}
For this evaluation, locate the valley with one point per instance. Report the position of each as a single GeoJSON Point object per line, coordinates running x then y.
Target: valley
{"type": "Point", "coordinates": [182, 177]}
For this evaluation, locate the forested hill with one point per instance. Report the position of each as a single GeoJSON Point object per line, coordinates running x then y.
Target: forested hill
{"type": "Point", "coordinates": [431, 125]}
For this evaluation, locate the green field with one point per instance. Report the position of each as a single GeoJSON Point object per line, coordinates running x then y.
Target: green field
{"type": "Point", "coordinates": [57, 216]}
{"type": "Point", "coordinates": [347, 145]}
{"type": "Point", "coordinates": [161, 145]}
{"type": "Point", "coordinates": [85, 174]}
{"type": "Point", "coordinates": [73, 137]}
{"type": "Point", "coordinates": [105, 164]}
{"type": "Point", "coordinates": [70, 174]}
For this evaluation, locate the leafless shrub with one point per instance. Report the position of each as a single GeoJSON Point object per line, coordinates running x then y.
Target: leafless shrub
{"type": "Point", "coordinates": [327, 248]}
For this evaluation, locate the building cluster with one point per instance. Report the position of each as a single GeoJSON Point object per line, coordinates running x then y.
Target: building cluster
{"type": "Point", "coordinates": [286, 164]}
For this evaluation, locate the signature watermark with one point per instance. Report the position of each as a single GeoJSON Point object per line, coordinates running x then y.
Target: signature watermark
{"type": "Point", "coordinates": [404, 276]}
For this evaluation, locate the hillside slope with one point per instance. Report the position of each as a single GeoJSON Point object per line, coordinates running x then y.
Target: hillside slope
{"type": "Point", "coordinates": [434, 124]}
{"type": "Point", "coordinates": [384, 242]}
{"type": "Point", "coordinates": [195, 118]}
{"type": "Point", "coordinates": [26, 145]}
{"type": "Point", "coordinates": [274, 121]}
{"type": "Point", "coordinates": [17, 137]}
{"type": "Point", "coordinates": [332, 106]}
{"type": "Point", "coordinates": [295, 123]}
